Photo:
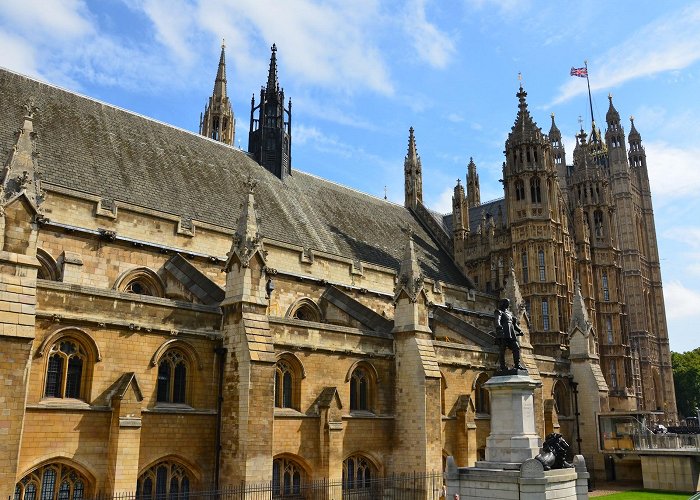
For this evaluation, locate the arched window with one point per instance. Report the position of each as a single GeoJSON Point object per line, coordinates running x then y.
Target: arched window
{"type": "Point", "coordinates": [526, 273]}
{"type": "Point", "coordinates": [598, 223]}
{"type": "Point", "coordinates": [541, 264]}
{"type": "Point", "coordinates": [481, 394]}
{"type": "Point", "coordinates": [609, 329]}
{"type": "Point", "coordinates": [165, 480]}
{"type": "Point", "coordinates": [545, 315]}
{"type": "Point", "coordinates": [519, 190]}
{"type": "Point", "coordinates": [535, 191]}
{"type": "Point", "coordinates": [48, 268]}
{"type": "Point", "coordinates": [562, 398]}
{"type": "Point", "coordinates": [613, 374]}
{"type": "Point", "coordinates": [358, 473]}
{"type": "Point", "coordinates": [288, 478]}
{"type": "Point", "coordinates": [305, 310]}
{"type": "Point", "coordinates": [172, 377]}
{"type": "Point", "coordinates": [52, 482]}
{"type": "Point", "coordinates": [360, 387]}
{"type": "Point", "coordinates": [66, 370]}
{"type": "Point", "coordinates": [606, 289]}
{"type": "Point", "coordinates": [141, 281]}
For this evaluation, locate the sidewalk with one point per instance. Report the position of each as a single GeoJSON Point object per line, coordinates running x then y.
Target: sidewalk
{"type": "Point", "coordinates": [608, 488]}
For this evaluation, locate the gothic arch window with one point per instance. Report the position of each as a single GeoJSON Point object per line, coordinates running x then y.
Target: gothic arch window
{"type": "Point", "coordinates": [613, 374]}
{"type": "Point", "coordinates": [172, 385]}
{"type": "Point", "coordinates": [562, 398]}
{"type": "Point", "coordinates": [545, 315]}
{"type": "Point", "coordinates": [606, 289]}
{"type": "Point", "coordinates": [360, 390]}
{"type": "Point", "coordinates": [541, 265]}
{"type": "Point", "coordinates": [358, 473]}
{"type": "Point", "coordinates": [288, 478]}
{"type": "Point", "coordinates": [288, 374]}
{"type": "Point", "coordinates": [48, 268]}
{"type": "Point", "coordinates": [70, 357]}
{"type": "Point", "coordinates": [167, 479]}
{"type": "Point", "coordinates": [526, 273]}
{"type": "Point", "coordinates": [306, 310]}
{"type": "Point", "coordinates": [141, 281]}
{"type": "Point", "coordinates": [535, 190]}
{"type": "Point", "coordinates": [519, 190]}
{"type": "Point", "coordinates": [481, 395]}
{"type": "Point", "coordinates": [443, 389]}
{"type": "Point", "coordinates": [53, 481]}
{"type": "Point", "coordinates": [609, 329]}
{"type": "Point", "coordinates": [598, 223]}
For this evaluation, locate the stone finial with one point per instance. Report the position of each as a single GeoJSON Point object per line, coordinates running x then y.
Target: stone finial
{"type": "Point", "coordinates": [246, 240]}
{"type": "Point", "coordinates": [512, 292]}
{"type": "Point", "coordinates": [579, 314]}
{"type": "Point", "coordinates": [410, 280]}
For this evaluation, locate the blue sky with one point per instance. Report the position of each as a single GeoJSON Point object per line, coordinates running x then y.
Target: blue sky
{"type": "Point", "coordinates": [361, 73]}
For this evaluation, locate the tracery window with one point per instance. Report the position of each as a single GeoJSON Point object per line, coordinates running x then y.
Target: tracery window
{"type": "Point", "coordinates": [545, 315]}
{"type": "Point", "coordinates": [360, 387]}
{"type": "Point", "coordinates": [66, 370]}
{"type": "Point", "coordinates": [609, 328]}
{"type": "Point", "coordinates": [52, 482]}
{"type": "Point", "coordinates": [165, 480]}
{"type": "Point", "coordinates": [541, 264]}
{"type": "Point", "coordinates": [358, 472]}
{"type": "Point", "coordinates": [526, 274]}
{"type": "Point", "coordinates": [140, 281]}
{"type": "Point", "coordinates": [613, 374]}
{"type": "Point", "coordinates": [284, 385]}
{"type": "Point", "coordinates": [598, 223]}
{"type": "Point", "coordinates": [172, 377]}
{"type": "Point", "coordinates": [606, 289]}
{"type": "Point", "coordinates": [535, 190]}
{"type": "Point", "coordinates": [288, 478]}
{"type": "Point", "coordinates": [519, 190]}
{"type": "Point", "coordinates": [482, 403]}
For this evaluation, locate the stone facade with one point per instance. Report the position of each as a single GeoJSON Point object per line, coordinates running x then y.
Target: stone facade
{"type": "Point", "coordinates": [176, 316]}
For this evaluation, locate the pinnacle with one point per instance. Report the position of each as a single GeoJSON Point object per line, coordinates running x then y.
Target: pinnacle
{"type": "Point", "coordinates": [554, 131]}
{"type": "Point", "coordinates": [220, 82]}
{"type": "Point", "coordinates": [612, 116]}
{"type": "Point", "coordinates": [272, 83]}
{"type": "Point", "coordinates": [412, 149]}
{"type": "Point", "coordinates": [525, 129]}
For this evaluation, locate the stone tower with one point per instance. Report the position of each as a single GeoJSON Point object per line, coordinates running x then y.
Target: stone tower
{"type": "Point", "coordinates": [540, 241]}
{"type": "Point", "coordinates": [270, 136]}
{"type": "Point", "coordinates": [217, 122]}
{"type": "Point", "coordinates": [413, 174]}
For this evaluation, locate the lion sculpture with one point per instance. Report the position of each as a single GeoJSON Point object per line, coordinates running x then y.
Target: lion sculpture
{"type": "Point", "coordinates": [553, 452]}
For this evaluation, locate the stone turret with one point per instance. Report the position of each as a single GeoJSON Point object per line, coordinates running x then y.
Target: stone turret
{"type": "Point", "coordinates": [473, 191]}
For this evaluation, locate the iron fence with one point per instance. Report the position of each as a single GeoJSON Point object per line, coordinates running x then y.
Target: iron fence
{"type": "Point", "coordinates": [394, 487]}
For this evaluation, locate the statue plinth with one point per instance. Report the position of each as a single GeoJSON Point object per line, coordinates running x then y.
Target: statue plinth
{"type": "Point", "coordinates": [513, 437]}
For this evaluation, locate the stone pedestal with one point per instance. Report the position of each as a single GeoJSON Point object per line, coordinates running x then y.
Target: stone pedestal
{"type": "Point", "coordinates": [513, 437]}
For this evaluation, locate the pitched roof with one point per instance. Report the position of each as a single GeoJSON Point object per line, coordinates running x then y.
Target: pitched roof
{"type": "Point", "coordinates": [102, 150]}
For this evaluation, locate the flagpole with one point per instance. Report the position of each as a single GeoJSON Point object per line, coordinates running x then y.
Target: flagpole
{"type": "Point", "coordinates": [590, 100]}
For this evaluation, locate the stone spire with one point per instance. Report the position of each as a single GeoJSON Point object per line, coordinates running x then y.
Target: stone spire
{"type": "Point", "coordinates": [413, 175]}
{"type": "Point", "coordinates": [218, 122]}
{"type": "Point", "coordinates": [637, 155]}
{"type": "Point", "coordinates": [512, 292]}
{"type": "Point", "coordinates": [612, 117]}
{"type": "Point", "coordinates": [579, 313]}
{"type": "Point", "coordinates": [272, 83]}
{"type": "Point", "coordinates": [410, 279]}
{"type": "Point", "coordinates": [460, 213]}
{"type": "Point", "coordinates": [473, 191]}
{"type": "Point", "coordinates": [246, 240]}
{"type": "Point", "coordinates": [525, 130]}
{"type": "Point", "coordinates": [20, 175]}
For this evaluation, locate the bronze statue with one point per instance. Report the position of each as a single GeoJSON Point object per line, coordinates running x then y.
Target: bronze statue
{"type": "Point", "coordinates": [553, 452]}
{"type": "Point", "coordinates": [507, 333]}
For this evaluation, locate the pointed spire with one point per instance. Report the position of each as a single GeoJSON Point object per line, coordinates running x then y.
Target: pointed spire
{"type": "Point", "coordinates": [220, 82]}
{"type": "Point", "coordinates": [512, 292]}
{"type": "Point", "coordinates": [554, 132]}
{"type": "Point", "coordinates": [634, 133]}
{"type": "Point", "coordinates": [460, 220]}
{"type": "Point", "coordinates": [246, 240]}
{"type": "Point", "coordinates": [473, 189]}
{"type": "Point", "coordinates": [410, 279]}
{"type": "Point", "coordinates": [525, 129]}
{"type": "Point", "coordinates": [412, 174]}
{"type": "Point", "coordinates": [612, 117]}
{"type": "Point", "coordinates": [579, 313]}
{"type": "Point", "coordinates": [272, 83]}
{"type": "Point", "coordinates": [21, 175]}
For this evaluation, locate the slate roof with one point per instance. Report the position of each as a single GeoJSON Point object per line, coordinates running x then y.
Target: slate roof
{"type": "Point", "coordinates": [490, 207]}
{"type": "Point", "coordinates": [99, 149]}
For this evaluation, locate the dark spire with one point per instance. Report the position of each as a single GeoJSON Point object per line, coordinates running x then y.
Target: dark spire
{"type": "Point", "coordinates": [525, 129]}
{"type": "Point", "coordinates": [612, 117]}
{"type": "Point", "coordinates": [554, 132]}
{"type": "Point", "coordinates": [220, 82]}
{"type": "Point", "coordinates": [413, 176]}
{"type": "Point", "coordinates": [634, 135]}
{"type": "Point", "coordinates": [272, 84]}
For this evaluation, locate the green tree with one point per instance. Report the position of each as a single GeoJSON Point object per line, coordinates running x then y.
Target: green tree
{"type": "Point", "coordinates": [686, 378]}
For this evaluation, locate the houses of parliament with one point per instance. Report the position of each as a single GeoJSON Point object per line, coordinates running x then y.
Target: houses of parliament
{"type": "Point", "coordinates": [178, 314]}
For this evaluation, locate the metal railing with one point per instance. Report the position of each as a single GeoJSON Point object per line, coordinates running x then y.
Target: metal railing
{"type": "Point", "coordinates": [414, 486]}
{"type": "Point", "coordinates": [690, 442]}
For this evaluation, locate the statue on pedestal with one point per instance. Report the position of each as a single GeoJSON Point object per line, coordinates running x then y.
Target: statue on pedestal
{"type": "Point", "coordinates": [507, 333]}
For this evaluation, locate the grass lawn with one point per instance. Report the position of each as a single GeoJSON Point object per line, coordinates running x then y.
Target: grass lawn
{"type": "Point", "coordinates": [646, 495]}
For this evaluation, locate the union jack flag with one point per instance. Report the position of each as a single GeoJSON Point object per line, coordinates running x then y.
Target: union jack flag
{"type": "Point", "coordinates": [581, 72]}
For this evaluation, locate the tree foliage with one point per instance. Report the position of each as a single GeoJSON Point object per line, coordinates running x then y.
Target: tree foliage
{"type": "Point", "coordinates": [686, 378]}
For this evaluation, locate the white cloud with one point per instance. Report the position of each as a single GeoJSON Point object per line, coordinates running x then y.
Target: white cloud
{"type": "Point", "coordinates": [17, 55]}
{"type": "Point", "coordinates": [672, 171]}
{"type": "Point", "coordinates": [667, 44]}
{"type": "Point", "coordinates": [173, 22]}
{"type": "Point", "coordinates": [455, 118]}
{"type": "Point", "coordinates": [504, 7]}
{"type": "Point", "coordinates": [49, 18]}
{"type": "Point", "coordinates": [431, 45]}
{"type": "Point", "coordinates": [681, 301]}
{"type": "Point", "coordinates": [443, 203]}
{"type": "Point", "coordinates": [346, 59]}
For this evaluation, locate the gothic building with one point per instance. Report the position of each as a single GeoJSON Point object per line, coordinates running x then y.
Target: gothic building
{"type": "Point", "coordinates": [177, 314]}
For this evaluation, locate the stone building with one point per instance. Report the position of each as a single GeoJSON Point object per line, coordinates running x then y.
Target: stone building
{"type": "Point", "coordinates": [178, 314]}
